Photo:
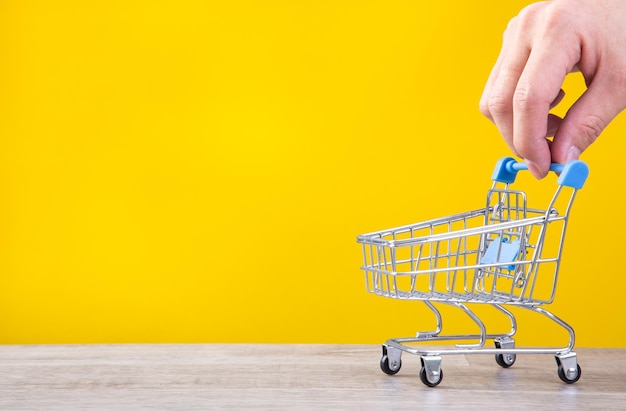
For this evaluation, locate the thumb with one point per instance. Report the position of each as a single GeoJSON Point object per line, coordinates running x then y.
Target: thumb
{"type": "Point", "coordinates": [586, 119]}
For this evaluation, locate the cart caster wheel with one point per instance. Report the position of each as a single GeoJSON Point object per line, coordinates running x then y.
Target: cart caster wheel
{"type": "Point", "coordinates": [391, 361]}
{"type": "Point", "coordinates": [570, 376]}
{"type": "Point", "coordinates": [431, 373]}
{"type": "Point", "coordinates": [568, 369]}
{"type": "Point", "coordinates": [431, 380]}
{"type": "Point", "coordinates": [505, 360]}
{"type": "Point", "coordinates": [390, 369]}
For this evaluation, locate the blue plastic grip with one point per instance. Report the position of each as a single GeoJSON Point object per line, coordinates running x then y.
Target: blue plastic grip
{"type": "Point", "coordinates": [573, 174]}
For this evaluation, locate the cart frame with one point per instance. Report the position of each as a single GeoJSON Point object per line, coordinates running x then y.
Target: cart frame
{"type": "Point", "coordinates": [505, 254]}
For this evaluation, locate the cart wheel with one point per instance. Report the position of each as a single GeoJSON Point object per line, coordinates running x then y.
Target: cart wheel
{"type": "Point", "coordinates": [567, 377]}
{"type": "Point", "coordinates": [431, 380]}
{"type": "Point", "coordinates": [505, 360]}
{"type": "Point", "coordinates": [390, 369]}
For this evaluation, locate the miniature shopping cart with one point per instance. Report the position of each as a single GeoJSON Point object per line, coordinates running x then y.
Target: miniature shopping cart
{"type": "Point", "coordinates": [505, 254]}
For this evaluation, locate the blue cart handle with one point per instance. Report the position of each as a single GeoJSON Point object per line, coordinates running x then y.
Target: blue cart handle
{"type": "Point", "coordinates": [573, 174]}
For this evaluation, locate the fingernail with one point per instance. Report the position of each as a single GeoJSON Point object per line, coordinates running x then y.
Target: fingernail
{"type": "Point", "coordinates": [572, 154]}
{"type": "Point", "coordinates": [535, 171]}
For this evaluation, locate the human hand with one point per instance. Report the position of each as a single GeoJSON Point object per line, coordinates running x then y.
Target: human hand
{"type": "Point", "coordinates": [543, 44]}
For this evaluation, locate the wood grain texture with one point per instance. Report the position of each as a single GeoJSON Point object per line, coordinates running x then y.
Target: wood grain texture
{"type": "Point", "coordinates": [291, 377]}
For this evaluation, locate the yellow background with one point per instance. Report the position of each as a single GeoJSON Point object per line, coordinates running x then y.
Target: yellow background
{"type": "Point", "coordinates": [195, 171]}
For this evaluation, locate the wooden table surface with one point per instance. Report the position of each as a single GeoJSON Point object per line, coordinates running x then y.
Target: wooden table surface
{"type": "Point", "coordinates": [291, 377]}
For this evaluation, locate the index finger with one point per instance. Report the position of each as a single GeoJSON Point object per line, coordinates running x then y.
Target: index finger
{"type": "Point", "coordinates": [538, 86]}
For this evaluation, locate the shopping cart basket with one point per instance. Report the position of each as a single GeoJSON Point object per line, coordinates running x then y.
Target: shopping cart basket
{"type": "Point", "coordinates": [505, 254]}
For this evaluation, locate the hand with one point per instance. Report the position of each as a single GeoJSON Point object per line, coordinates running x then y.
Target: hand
{"type": "Point", "coordinates": [544, 43]}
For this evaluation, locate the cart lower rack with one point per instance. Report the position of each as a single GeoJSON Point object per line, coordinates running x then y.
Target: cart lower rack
{"type": "Point", "coordinates": [505, 254]}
